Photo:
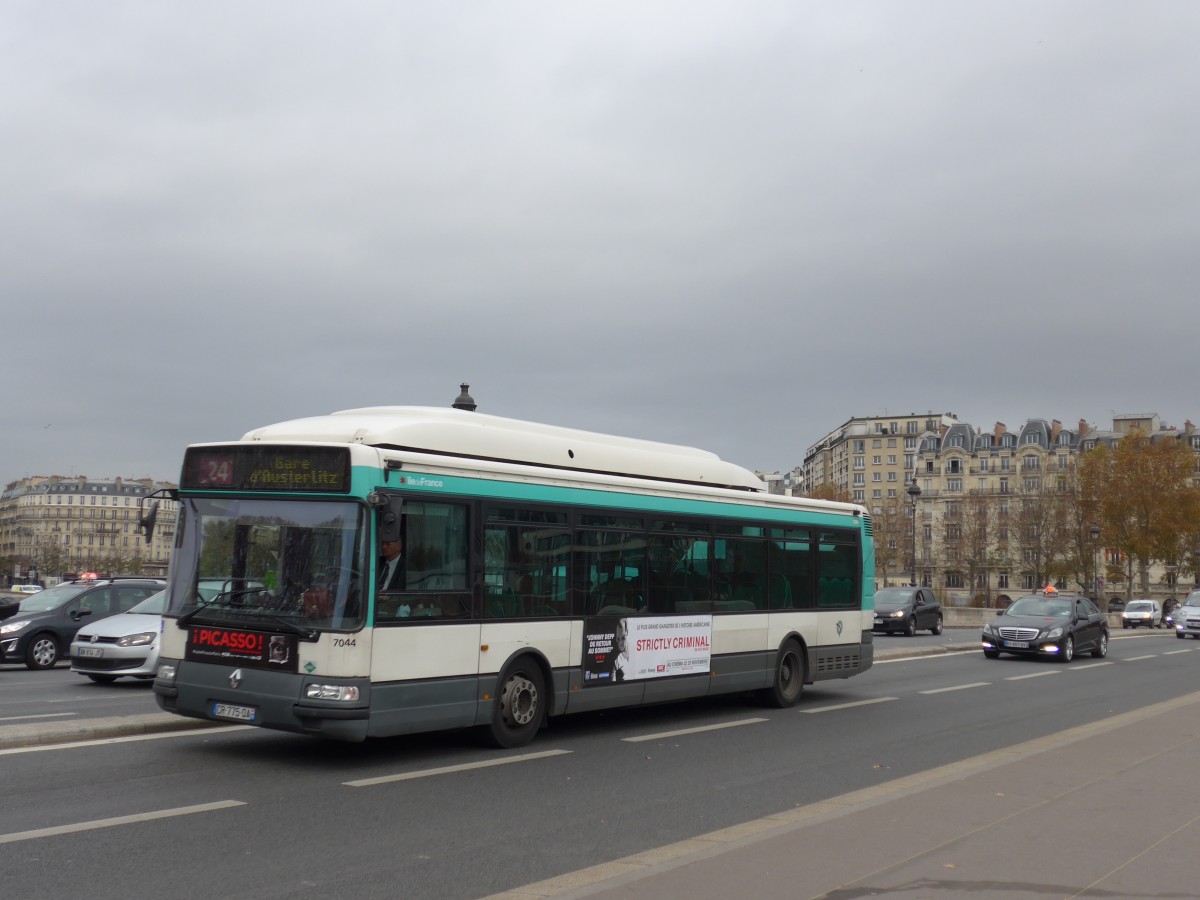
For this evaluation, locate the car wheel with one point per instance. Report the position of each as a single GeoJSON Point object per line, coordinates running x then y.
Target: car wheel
{"type": "Point", "coordinates": [42, 652]}
{"type": "Point", "coordinates": [911, 627]}
{"type": "Point", "coordinates": [1180, 635]}
{"type": "Point", "coordinates": [1068, 649]}
{"type": "Point", "coordinates": [992, 654]}
{"type": "Point", "coordinates": [937, 626]}
{"type": "Point", "coordinates": [1101, 649]}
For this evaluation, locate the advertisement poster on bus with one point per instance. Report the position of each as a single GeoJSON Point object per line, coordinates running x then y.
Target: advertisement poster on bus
{"type": "Point", "coordinates": [240, 647]}
{"type": "Point", "coordinates": [634, 648]}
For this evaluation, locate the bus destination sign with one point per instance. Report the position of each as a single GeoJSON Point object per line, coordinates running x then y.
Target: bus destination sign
{"type": "Point", "coordinates": [241, 468]}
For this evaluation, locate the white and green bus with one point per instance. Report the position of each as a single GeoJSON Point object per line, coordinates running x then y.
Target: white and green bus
{"type": "Point", "coordinates": [544, 571]}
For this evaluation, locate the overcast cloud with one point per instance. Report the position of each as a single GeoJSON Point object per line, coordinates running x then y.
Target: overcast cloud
{"type": "Point", "coordinates": [727, 225]}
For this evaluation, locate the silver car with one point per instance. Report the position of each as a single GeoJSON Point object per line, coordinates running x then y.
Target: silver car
{"type": "Point", "coordinates": [125, 644]}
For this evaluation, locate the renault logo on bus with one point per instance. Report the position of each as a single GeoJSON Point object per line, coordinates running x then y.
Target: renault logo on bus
{"type": "Point", "coordinates": [235, 678]}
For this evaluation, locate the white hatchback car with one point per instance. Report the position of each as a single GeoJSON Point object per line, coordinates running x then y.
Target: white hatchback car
{"type": "Point", "coordinates": [125, 644]}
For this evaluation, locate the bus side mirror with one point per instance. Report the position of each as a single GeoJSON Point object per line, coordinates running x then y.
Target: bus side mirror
{"type": "Point", "coordinates": [389, 520]}
{"type": "Point", "coordinates": [146, 522]}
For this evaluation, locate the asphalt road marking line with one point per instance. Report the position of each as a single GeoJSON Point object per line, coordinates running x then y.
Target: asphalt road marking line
{"type": "Point", "coordinates": [117, 820]}
{"type": "Point", "coordinates": [97, 742]}
{"type": "Point", "coordinates": [822, 709]}
{"type": "Point", "coordinates": [957, 687]}
{"type": "Point", "coordinates": [939, 655]}
{"type": "Point", "coordinates": [699, 729]}
{"type": "Point", "coordinates": [1031, 675]}
{"type": "Point", "coordinates": [447, 770]}
{"type": "Point", "coordinates": [42, 716]}
{"type": "Point", "coordinates": [1095, 665]}
{"type": "Point", "coordinates": [1173, 652]}
{"type": "Point", "coordinates": [1136, 658]}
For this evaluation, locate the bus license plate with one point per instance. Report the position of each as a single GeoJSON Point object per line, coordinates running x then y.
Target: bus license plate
{"type": "Point", "coordinates": [1020, 645]}
{"type": "Point", "coordinates": [90, 652]}
{"type": "Point", "coordinates": [237, 713]}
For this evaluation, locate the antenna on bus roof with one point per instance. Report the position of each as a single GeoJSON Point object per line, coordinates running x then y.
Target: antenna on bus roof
{"type": "Point", "coordinates": [463, 400]}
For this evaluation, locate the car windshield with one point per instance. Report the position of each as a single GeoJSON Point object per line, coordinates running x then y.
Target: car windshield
{"type": "Point", "coordinates": [252, 559]}
{"type": "Point", "coordinates": [152, 605]}
{"type": "Point", "coordinates": [1040, 606]}
{"type": "Point", "coordinates": [893, 596]}
{"type": "Point", "coordinates": [1140, 606]}
{"type": "Point", "coordinates": [52, 598]}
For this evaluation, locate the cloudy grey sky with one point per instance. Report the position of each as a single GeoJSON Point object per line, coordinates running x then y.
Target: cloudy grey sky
{"type": "Point", "coordinates": [728, 225]}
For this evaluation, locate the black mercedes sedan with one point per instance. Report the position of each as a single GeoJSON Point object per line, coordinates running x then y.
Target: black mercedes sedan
{"type": "Point", "coordinates": [1047, 624]}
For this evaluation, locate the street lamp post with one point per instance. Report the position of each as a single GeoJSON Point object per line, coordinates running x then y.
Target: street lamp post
{"type": "Point", "coordinates": [1095, 531]}
{"type": "Point", "coordinates": [1196, 567]}
{"type": "Point", "coordinates": [914, 491]}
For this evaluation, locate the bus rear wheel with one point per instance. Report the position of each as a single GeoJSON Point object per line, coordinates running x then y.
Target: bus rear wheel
{"type": "Point", "coordinates": [789, 677]}
{"type": "Point", "coordinates": [520, 705]}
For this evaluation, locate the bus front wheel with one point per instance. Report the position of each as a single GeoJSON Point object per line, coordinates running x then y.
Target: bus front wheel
{"type": "Point", "coordinates": [789, 677]}
{"type": "Point", "coordinates": [520, 705]}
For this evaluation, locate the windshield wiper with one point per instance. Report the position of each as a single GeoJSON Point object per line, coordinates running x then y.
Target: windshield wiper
{"type": "Point", "coordinates": [230, 594]}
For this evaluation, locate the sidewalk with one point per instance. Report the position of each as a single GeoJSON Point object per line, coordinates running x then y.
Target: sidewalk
{"type": "Point", "coordinates": [1048, 818]}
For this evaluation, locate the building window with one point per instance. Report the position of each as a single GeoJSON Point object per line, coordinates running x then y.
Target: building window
{"type": "Point", "coordinates": [954, 485]}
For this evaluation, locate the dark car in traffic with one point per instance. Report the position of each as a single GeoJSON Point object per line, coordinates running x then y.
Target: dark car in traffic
{"type": "Point", "coordinates": [39, 634]}
{"type": "Point", "coordinates": [907, 610]}
{"type": "Point", "coordinates": [1050, 625]}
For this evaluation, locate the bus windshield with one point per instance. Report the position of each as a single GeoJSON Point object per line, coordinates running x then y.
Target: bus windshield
{"type": "Point", "coordinates": [256, 561]}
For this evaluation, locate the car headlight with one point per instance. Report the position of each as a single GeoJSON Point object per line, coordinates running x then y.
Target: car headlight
{"type": "Point", "coordinates": [898, 614]}
{"type": "Point", "coordinates": [14, 627]}
{"type": "Point", "coordinates": [138, 640]}
{"type": "Point", "coordinates": [342, 692]}
{"type": "Point", "coordinates": [989, 628]}
{"type": "Point", "coordinates": [1053, 633]}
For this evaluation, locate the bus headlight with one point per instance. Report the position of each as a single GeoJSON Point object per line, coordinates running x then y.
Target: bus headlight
{"type": "Point", "coordinates": [345, 693]}
{"type": "Point", "coordinates": [166, 672]}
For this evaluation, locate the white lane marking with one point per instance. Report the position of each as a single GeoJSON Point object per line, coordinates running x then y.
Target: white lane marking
{"type": "Point", "coordinates": [957, 687]}
{"type": "Point", "coordinates": [446, 770]}
{"type": "Point", "coordinates": [1095, 665]}
{"type": "Point", "coordinates": [1033, 675]}
{"type": "Point", "coordinates": [118, 820]}
{"type": "Point", "coordinates": [884, 662]}
{"type": "Point", "coordinates": [1173, 652]}
{"type": "Point", "coordinates": [97, 742]}
{"type": "Point", "coordinates": [848, 705]}
{"type": "Point", "coordinates": [697, 730]}
{"type": "Point", "coordinates": [1136, 658]}
{"type": "Point", "coordinates": [42, 716]}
